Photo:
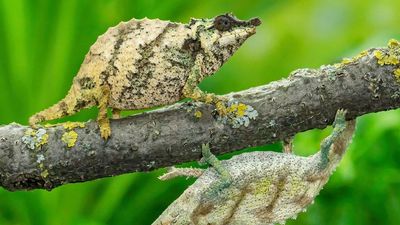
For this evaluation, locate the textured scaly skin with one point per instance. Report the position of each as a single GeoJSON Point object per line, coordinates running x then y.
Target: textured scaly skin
{"type": "Point", "coordinates": [149, 62]}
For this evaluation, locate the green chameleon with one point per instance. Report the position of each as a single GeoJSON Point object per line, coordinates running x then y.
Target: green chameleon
{"type": "Point", "coordinates": [149, 62]}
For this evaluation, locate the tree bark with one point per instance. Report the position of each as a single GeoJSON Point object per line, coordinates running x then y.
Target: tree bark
{"type": "Point", "coordinates": [308, 99]}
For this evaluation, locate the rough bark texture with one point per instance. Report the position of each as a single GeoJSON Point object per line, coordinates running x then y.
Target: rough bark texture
{"type": "Point", "coordinates": [308, 99]}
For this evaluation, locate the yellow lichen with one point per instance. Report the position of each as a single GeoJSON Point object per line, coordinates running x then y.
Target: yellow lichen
{"type": "Point", "coordinates": [198, 114]}
{"type": "Point", "coordinates": [386, 59]}
{"type": "Point", "coordinates": [72, 125]}
{"type": "Point", "coordinates": [209, 98]}
{"type": "Point", "coordinates": [35, 138]}
{"type": "Point", "coordinates": [221, 108]}
{"type": "Point", "coordinates": [238, 109]}
{"type": "Point", "coordinates": [30, 132]}
{"type": "Point", "coordinates": [350, 60]}
{"type": "Point", "coordinates": [393, 43]}
{"type": "Point", "coordinates": [70, 138]}
{"type": "Point", "coordinates": [362, 54]}
{"type": "Point", "coordinates": [241, 109]}
{"type": "Point", "coordinates": [346, 60]}
{"type": "Point", "coordinates": [397, 74]}
{"type": "Point", "coordinates": [43, 140]}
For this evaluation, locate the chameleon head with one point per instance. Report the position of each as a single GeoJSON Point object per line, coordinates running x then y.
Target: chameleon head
{"type": "Point", "coordinates": [220, 37]}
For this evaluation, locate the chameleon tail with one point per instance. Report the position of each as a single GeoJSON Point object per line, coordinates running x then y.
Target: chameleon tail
{"type": "Point", "coordinates": [67, 106]}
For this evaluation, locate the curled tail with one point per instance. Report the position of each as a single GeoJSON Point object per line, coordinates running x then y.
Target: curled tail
{"type": "Point", "coordinates": [71, 104]}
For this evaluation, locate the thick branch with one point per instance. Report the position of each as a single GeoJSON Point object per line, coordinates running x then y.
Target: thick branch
{"type": "Point", "coordinates": [308, 99]}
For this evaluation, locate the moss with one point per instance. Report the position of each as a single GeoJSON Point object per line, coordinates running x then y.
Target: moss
{"type": "Point", "coordinates": [70, 138]}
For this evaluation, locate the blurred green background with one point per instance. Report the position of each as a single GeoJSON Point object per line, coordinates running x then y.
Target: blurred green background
{"type": "Point", "coordinates": [43, 42]}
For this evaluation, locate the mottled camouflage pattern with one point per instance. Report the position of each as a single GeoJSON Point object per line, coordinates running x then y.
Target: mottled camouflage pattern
{"type": "Point", "coordinates": [266, 187]}
{"type": "Point", "coordinates": [145, 63]}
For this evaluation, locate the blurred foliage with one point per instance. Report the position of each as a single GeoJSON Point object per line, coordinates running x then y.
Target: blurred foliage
{"type": "Point", "coordinates": [43, 42]}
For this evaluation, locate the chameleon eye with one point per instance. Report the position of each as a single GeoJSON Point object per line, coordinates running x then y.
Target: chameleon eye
{"type": "Point", "coordinates": [222, 23]}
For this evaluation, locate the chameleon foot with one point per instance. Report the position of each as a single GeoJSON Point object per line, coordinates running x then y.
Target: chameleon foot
{"type": "Point", "coordinates": [226, 178]}
{"type": "Point", "coordinates": [288, 145]}
{"type": "Point", "coordinates": [177, 172]}
{"type": "Point", "coordinates": [339, 125]}
{"type": "Point", "coordinates": [105, 129]}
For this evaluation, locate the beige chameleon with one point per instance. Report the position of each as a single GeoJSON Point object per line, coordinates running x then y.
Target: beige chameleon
{"type": "Point", "coordinates": [149, 62]}
{"type": "Point", "coordinates": [256, 188]}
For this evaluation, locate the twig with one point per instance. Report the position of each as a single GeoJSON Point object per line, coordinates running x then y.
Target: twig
{"type": "Point", "coordinates": [308, 99]}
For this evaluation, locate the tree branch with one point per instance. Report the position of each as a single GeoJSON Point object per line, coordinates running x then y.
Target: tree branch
{"type": "Point", "coordinates": [308, 99]}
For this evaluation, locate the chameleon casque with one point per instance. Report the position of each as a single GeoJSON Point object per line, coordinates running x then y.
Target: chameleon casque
{"type": "Point", "coordinates": [149, 62]}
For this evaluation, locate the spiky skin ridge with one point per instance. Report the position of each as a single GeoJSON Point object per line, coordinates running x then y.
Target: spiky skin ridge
{"type": "Point", "coordinates": [266, 187]}
{"type": "Point", "coordinates": [145, 63]}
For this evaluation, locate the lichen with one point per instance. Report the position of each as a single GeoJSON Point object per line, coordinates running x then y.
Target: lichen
{"type": "Point", "coordinates": [236, 114]}
{"type": "Point", "coordinates": [198, 114]}
{"type": "Point", "coordinates": [70, 138]}
{"type": "Point", "coordinates": [397, 74]}
{"type": "Point", "coordinates": [391, 56]}
{"type": "Point", "coordinates": [386, 58]}
{"type": "Point", "coordinates": [346, 61]}
{"type": "Point", "coordinates": [393, 44]}
{"type": "Point", "coordinates": [44, 172]}
{"type": "Point", "coordinates": [35, 138]}
{"type": "Point", "coordinates": [72, 125]}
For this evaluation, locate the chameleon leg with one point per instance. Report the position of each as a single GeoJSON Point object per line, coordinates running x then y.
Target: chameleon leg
{"type": "Point", "coordinates": [339, 125]}
{"type": "Point", "coordinates": [190, 90]}
{"type": "Point", "coordinates": [102, 119]}
{"type": "Point", "coordinates": [208, 157]}
{"type": "Point", "coordinates": [176, 172]}
{"type": "Point", "coordinates": [288, 145]}
{"type": "Point", "coordinates": [116, 113]}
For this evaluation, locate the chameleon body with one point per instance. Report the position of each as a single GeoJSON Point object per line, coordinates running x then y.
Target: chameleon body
{"type": "Point", "coordinates": [256, 188]}
{"type": "Point", "coordinates": [149, 62]}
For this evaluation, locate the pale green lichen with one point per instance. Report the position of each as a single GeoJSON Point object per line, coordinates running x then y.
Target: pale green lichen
{"type": "Point", "coordinates": [35, 138]}
{"type": "Point", "coordinates": [237, 114]}
{"type": "Point", "coordinates": [44, 172]}
{"type": "Point", "coordinates": [70, 138]}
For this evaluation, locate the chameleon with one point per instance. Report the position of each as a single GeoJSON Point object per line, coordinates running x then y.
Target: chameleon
{"type": "Point", "coordinates": [144, 63]}
{"type": "Point", "coordinates": [256, 188]}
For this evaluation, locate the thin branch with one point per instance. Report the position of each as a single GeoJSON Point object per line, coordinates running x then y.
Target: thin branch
{"type": "Point", "coordinates": [308, 99]}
